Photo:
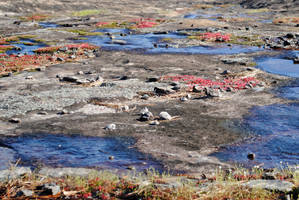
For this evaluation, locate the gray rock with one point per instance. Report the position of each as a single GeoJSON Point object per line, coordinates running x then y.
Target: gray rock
{"type": "Point", "coordinates": [146, 116]}
{"type": "Point", "coordinates": [183, 99]}
{"type": "Point", "coordinates": [231, 61]}
{"type": "Point", "coordinates": [14, 173]}
{"type": "Point", "coordinates": [111, 157]}
{"type": "Point", "coordinates": [110, 127]}
{"type": "Point", "coordinates": [64, 49]}
{"type": "Point", "coordinates": [165, 116]}
{"type": "Point", "coordinates": [226, 72]}
{"type": "Point", "coordinates": [153, 79]}
{"type": "Point", "coordinates": [82, 81]}
{"type": "Point", "coordinates": [273, 185]}
{"type": "Point", "coordinates": [213, 92]}
{"type": "Point", "coordinates": [269, 176]}
{"type": "Point", "coordinates": [188, 96]}
{"type": "Point", "coordinates": [145, 97]}
{"type": "Point", "coordinates": [62, 172]}
{"type": "Point", "coordinates": [48, 189]}
{"type": "Point", "coordinates": [63, 112]}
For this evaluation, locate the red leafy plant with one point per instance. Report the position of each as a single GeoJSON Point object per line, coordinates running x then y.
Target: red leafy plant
{"type": "Point", "coordinates": [212, 37]}
{"type": "Point", "coordinates": [237, 84]}
{"type": "Point", "coordinates": [132, 24]}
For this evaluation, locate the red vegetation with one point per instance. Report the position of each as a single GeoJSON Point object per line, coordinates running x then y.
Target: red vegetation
{"type": "Point", "coordinates": [237, 84]}
{"type": "Point", "coordinates": [69, 46]}
{"type": "Point", "coordinates": [134, 23]}
{"type": "Point", "coordinates": [218, 37]}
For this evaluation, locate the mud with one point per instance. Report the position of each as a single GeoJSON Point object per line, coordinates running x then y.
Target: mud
{"type": "Point", "coordinates": [201, 125]}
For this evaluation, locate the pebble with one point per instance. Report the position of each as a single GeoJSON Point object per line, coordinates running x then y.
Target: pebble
{"type": "Point", "coordinates": [42, 113]}
{"type": "Point", "coordinates": [161, 91]}
{"type": "Point", "coordinates": [120, 42]}
{"type": "Point", "coordinates": [213, 92]}
{"type": "Point", "coordinates": [126, 108]}
{"type": "Point", "coordinates": [60, 59]}
{"type": "Point", "coordinates": [165, 116]}
{"type": "Point", "coordinates": [225, 72]}
{"type": "Point", "coordinates": [41, 69]}
{"type": "Point", "coordinates": [188, 96]}
{"type": "Point", "coordinates": [251, 156]}
{"type": "Point", "coordinates": [49, 189]}
{"type": "Point", "coordinates": [63, 112]}
{"type": "Point", "coordinates": [110, 127]}
{"type": "Point", "coordinates": [24, 192]}
{"type": "Point", "coordinates": [146, 116]}
{"type": "Point", "coordinates": [29, 77]}
{"type": "Point", "coordinates": [197, 89]}
{"type": "Point", "coordinates": [145, 97]}
{"type": "Point", "coordinates": [111, 157]}
{"type": "Point", "coordinates": [131, 168]}
{"type": "Point", "coordinates": [153, 79]}
{"type": "Point", "coordinates": [80, 72]}
{"type": "Point", "coordinates": [184, 99]}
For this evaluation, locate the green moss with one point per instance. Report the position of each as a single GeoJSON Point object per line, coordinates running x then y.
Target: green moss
{"type": "Point", "coordinates": [83, 32]}
{"type": "Point", "coordinates": [28, 43]}
{"type": "Point", "coordinates": [253, 11]}
{"type": "Point", "coordinates": [26, 36]}
{"type": "Point", "coordinates": [83, 13]}
{"type": "Point", "coordinates": [246, 40]}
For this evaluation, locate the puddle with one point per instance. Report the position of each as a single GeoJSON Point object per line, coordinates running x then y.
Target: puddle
{"type": "Point", "coordinates": [277, 127]}
{"type": "Point", "coordinates": [202, 15]}
{"type": "Point", "coordinates": [48, 25]}
{"type": "Point", "coordinates": [74, 151]}
{"type": "Point", "coordinates": [165, 43]}
{"type": "Point", "coordinates": [25, 46]}
{"type": "Point", "coordinates": [281, 65]}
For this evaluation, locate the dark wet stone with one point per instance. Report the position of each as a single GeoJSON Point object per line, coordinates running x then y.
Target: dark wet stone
{"type": "Point", "coordinates": [60, 59]}
{"type": "Point", "coordinates": [198, 89]}
{"type": "Point", "coordinates": [176, 88]}
{"type": "Point", "coordinates": [153, 79]}
{"type": "Point", "coordinates": [124, 78]}
{"type": "Point", "coordinates": [107, 84]}
{"type": "Point", "coordinates": [120, 42]}
{"type": "Point", "coordinates": [269, 176]}
{"type": "Point", "coordinates": [251, 156]}
{"type": "Point", "coordinates": [48, 189]}
{"type": "Point", "coordinates": [41, 69]}
{"type": "Point", "coordinates": [161, 91]}
{"type": "Point", "coordinates": [15, 120]}
{"type": "Point", "coordinates": [42, 113]}
{"type": "Point", "coordinates": [71, 79]}
{"type": "Point", "coordinates": [24, 192]}
{"type": "Point", "coordinates": [146, 116]}
{"type": "Point", "coordinates": [111, 157]}
{"type": "Point", "coordinates": [226, 72]}
{"type": "Point", "coordinates": [63, 112]}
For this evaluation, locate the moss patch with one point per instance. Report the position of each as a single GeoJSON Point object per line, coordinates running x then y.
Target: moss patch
{"type": "Point", "coordinates": [83, 13]}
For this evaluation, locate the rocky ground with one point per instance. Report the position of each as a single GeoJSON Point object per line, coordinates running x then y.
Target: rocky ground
{"type": "Point", "coordinates": [102, 93]}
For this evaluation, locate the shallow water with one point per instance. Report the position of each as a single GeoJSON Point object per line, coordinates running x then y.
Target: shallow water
{"type": "Point", "coordinates": [165, 44]}
{"type": "Point", "coordinates": [277, 130]}
{"type": "Point", "coordinates": [74, 151]}
{"type": "Point", "coordinates": [281, 64]}
{"type": "Point", "coordinates": [25, 49]}
{"type": "Point", "coordinates": [48, 25]}
{"type": "Point", "coordinates": [275, 127]}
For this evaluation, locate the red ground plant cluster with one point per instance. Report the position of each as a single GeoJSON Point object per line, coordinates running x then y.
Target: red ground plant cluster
{"type": "Point", "coordinates": [237, 84]}
{"type": "Point", "coordinates": [218, 37]}
{"type": "Point", "coordinates": [44, 56]}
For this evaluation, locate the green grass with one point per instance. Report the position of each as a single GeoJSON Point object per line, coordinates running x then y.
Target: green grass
{"type": "Point", "coordinates": [83, 32]}
{"type": "Point", "coordinates": [88, 12]}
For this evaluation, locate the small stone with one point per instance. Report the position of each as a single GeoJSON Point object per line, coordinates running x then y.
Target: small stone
{"type": "Point", "coordinates": [131, 168]}
{"type": "Point", "coordinates": [15, 120]}
{"type": "Point", "coordinates": [272, 185]}
{"type": "Point", "coordinates": [125, 108]}
{"type": "Point", "coordinates": [80, 72]}
{"type": "Point", "coordinates": [269, 176]}
{"type": "Point", "coordinates": [48, 189]}
{"type": "Point", "coordinates": [73, 56]}
{"type": "Point", "coordinates": [251, 156]}
{"type": "Point", "coordinates": [161, 91]}
{"type": "Point", "coordinates": [153, 79]}
{"type": "Point", "coordinates": [188, 96]}
{"type": "Point", "coordinates": [29, 77]}
{"type": "Point", "coordinates": [146, 116]}
{"type": "Point", "coordinates": [225, 72]}
{"type": "Point", "coordinates": [145, 97]}
{"type": "Point", "coordinates": [183, 99]}
{"type": "Point", "coordinates": [111, 157]}
{"type": "Point", "coordinates": [110, 127]}
{"type": "Point", "coordinates": [60, 59]}
{"type": "Point", "coordinates": [71, 79]}
{"type": "Point", "coordinates": [42, 113]}
{"type": "Point", "coordinates": [24, 192]}
{"type": "Point", "coordinates": [176, 88]}
{"type": "Point", "coordinates": [63, 112]}
{"type": "Point", "coordinates": [154, 123]}
{"type": "Point", "coordinates": [197, 89]}
{"type": "Point", "coordinates": [165, 116]}
{"type": "Point", "coordinates": [213, 92]}
{"type": "Point", "coordinates": [41, 69]}
{"type": "Point", "coordinates": [64, 49]}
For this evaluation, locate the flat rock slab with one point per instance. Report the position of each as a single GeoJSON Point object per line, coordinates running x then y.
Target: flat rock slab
{"type": "Point", "coordinates": [273, 185]}
{"type": "Point", "coordinates": [13, 173]}
{"type": "Point", "coordinates": [61, 172]}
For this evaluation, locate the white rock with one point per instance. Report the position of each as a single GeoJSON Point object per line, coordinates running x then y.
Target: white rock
{"type": "Point", "coordinates": [165, 116]}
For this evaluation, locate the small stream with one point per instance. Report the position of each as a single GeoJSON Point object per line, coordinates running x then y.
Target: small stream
{"type": "Point", "coordinates": [74, 151]}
